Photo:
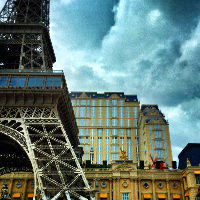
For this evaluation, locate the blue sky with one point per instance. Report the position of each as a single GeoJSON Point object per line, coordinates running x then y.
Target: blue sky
{"type": "Point", "coordinates": [145, 47]}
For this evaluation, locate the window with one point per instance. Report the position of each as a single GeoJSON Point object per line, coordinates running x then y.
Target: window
{"type": "Point", "coordinates": [82, 111]}
{"type": "Point", "coordinates": [114, 111]}
{"type": "Point", "coordinates": [82, 122]}
{"type": "Point", "coordinates": [128, 140]}
{"type": "Point", "coordinates": [127, 112]}
{"type": "Point", "coordinates": [99, 158]}
{"type": "Point", "coordinates": [107, 112]}
{"type": "Point", "coordinates": [17, 81]}
{"type": "Point", "coordinates": [3, 80]}
{"type": "Point", "coordinates": [88, 102]}
{"type": "Point", "coordinates": [122, 132]}
{"type": "Point", "coordinates": [135, 112]}
{"type": "Point", "coordinates": [99, 122]}
{"type": "Point", "coordinates": [107, 148]}
{"type": "Point", "coordinates": [107, 157]}
{"type": "Point", "coordinates": [137, 149]}
{"type": "Point", "coordinates": [128, 132]}
{"type": "Point", "coordinates": [114, 102]}
{"type": "Point", "coordinates": [99, 148]}
{"type": "Point", "coordinates": [99, 140]}
{"type": "Point", "coordinates": [114, 140]}
{"type": "Point", "coordinates": [53, 82]}
{"type": "Point", "coordinates": [125, 196]}
{"type": "Point", "coordinates": [114, 131]}
{"type": "Point", "coordinates": [81, 131]}
{"type": "Point", "coordinates": [121, 122]}
{"type": "Point", "coordinates": [93, 112]}
{"type": "Point", "coordinates": [164, 136]}
{"type": "Point", "coordinates": [129, 148]}
{"type": "Point", "coordinates": [92, 157]}
{"type": "Point", "coordinates": [114, 148]}
{"type": "Point", "coordinates": [114, 156]}
{"type": "Point", "coordinates": [81, 140]}
{"type": "Point", "coordinates": [83, 102]}
{"type": "Point", "coordinates": [159, 154]}
{"type": "Point", "coordinates": [121, 140]}
{"type": "Point", "coordinates": [107, 132]}
{"type": "Point", "coordinates": [107, 140]}
{"type": "Point", "coordinates": [158, 144]}
{"type": "Point", "coordinates": [73, 102]}
{"type": "Point", "coordinates": [136, 141]}
{"type": "Point", "coordinates": [107, 102]}
{"type": "Point", "coordinates": [35, 82]}
{"type": "Point", "coordinates": [86, 140]}
{"type": "Point", "coordinates": [197, 177]}
{"type": "Point", "coordinates": [99, 131]}
{"type": "Point", "coordinates": [129, 156]}
{"type": "Point", "coordinates": [93, 102]}
{"type": "Point", "coordinates": [135, 122]}
{"type": "Point", "coordinates": [128, 122]}
{"type": "Point", "coordinates": [92, 140]}
{"type": "Point", "coordinates": [100, 112]}
{"type": "Point", "coordinates": [121, 102]}
{"type": "Point", "coordinates": [157, 134]}
{"type": "Point", "coordinates": [136, 132]}
{"type": "Point", "coordinates": [100, 102]}
{"type": "Point", "coordinates": [121, 112]}
{"type": "Point", "coordinates": [114, 122]}
{"type": "Point", "coordinates": [91, 148]}
{"type": "Point", "coordinates": [92, 122]}
{"type": "Point", "coordinates": [107, 122]}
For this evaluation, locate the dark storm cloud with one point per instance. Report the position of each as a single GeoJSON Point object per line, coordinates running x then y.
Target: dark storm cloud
{"type": "Point", "coordinates": [84, 23]}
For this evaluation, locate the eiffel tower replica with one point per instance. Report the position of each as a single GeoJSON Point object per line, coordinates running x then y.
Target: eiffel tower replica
{"type": "Point", "coordinates": [35, 108]}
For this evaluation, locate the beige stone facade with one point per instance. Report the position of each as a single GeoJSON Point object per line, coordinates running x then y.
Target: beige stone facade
{"type": "Point", "coordinates": [122, 182]}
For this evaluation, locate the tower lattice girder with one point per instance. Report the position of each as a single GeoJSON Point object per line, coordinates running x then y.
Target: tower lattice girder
{"type": "Point", "coordinates": [35, 108]}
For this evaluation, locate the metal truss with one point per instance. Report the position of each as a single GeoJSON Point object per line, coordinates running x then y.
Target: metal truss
{"type": "Point", "coordinates": [26, 11]}
{"type": "Point", "coordinates": [40, 133]}
{"type": "Point", "coordinates": [24, 35]}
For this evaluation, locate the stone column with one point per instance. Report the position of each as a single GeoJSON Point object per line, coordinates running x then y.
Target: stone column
{"type": "Point", "coordinates": [136, 189]}
{"type": "Point", "coordinates": [182, 191]}
{"type": "Point", "coordinates": [139, 188]}
{"type": "Point", "coordinates": [168, 190]}
{"type": "Point", "coordinates": [114, 188]}
{"type": "Point", "coordinates": [153, 188]}
{"type": "Point", "coordinates": [118, 188]}
{"type": "Point", "coordinates": [24, 190]}
{"type": "Point", "coordinates": [11, 185]}
{"type": "Point", "coordinates": [132, 189]}
{"type": "Point", "coordinates": [111, 188]}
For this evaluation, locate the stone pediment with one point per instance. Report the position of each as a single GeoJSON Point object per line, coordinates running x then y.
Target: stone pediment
{"type": "Point", "coordinates": [83, 95]}
{"type": "Point", "coordinates": [124, 167]}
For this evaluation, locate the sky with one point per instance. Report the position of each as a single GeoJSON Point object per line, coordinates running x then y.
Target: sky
{"type": "Point", "coordinates": [145, 47]}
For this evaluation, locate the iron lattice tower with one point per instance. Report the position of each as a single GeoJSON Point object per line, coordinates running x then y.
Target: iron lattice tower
{"type": "Point", "coordinates": [35, 108]}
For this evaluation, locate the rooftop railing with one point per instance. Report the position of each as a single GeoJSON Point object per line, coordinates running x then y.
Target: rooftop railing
{"type": "Point", "coordinates": [30, 71]}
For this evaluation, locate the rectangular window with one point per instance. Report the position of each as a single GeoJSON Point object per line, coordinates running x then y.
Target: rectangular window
{"type": "Point", "coordinates": [114, 140]}
{"type": "Point", "coordinates": [107, 132]}
{"type": "Point", "coordinates": [164, 135]}
{"type": "Point", "coordinates": [17, 81]}
{"type": "Point", "coordinates": [114, 131]}
{"type": "Point", "coordinates": [100, 132]}
{"type": "Point", "coordinates": [107, 112]}
{"type": "Point", "coordinates": [157, 134]}
{"type": "Point", "coordinates": [82, 122]}
{"type": "Point", "coordinates": [99, 122]}
{"type": "Point", "coordinates": [121, 140]}
{"type": "Point", "coordinates": [53, 82]}
{"type": "Point", "coordinates": [114, 111]}
{"type": "Point", "coordinates": [88, 102]}
{"type": "Point", "coordinates": [92, 157]}
{"type": "Point", "coordinates": [137, 157]}
{"type": "Point", "coordinates": [114, 122]}
{"type": "Point", "coordinates": [99, 158]}
{"type": "Point", "coordinates": [136, 132]}
{"type": "Point", "coordinates": [107, 122]}
{"type": "Point", "coordinates": [121, 122]}
{"type": "Point", "coordinates": [137, 149]}
{"type": "Point", "coordinates": [114, 102]}
{"type": "Point", "coordinates": [114, 156]}
{"type": "Point", "coordinates": [135, 122]}
{"type": "Point", "coordinates": [107, 148]}
{"type": "Point", "coordinates": [92, 132]}
{"type": "Point", "coordinates": [77, 102]}
{"type": "Point", "coordinates": [73, 102]}
{"type": "Point", "coordinates": [99, 140]}
{"type": "Point", "coordinates": [128, 140]}
{"type": "Point", "coordinates": [129, 132]}
{"type": "Point", "coordinates": [128, 122]}
{"type": "Point", "coordinates": [125, 196]}
{"type": "Point", "coordinates": [91, 148]}
{"type": "Point", "coordinates": [93, 102]}
{"type": "Point", "coordinates": [136, 140]}
{"type": "Point", "coordinates": [129, 156]}
{"type": "Point", "coordinates": [107, 102]}
{"type": "Point", "coordinates": [82, 111]}
{"type": "Point", "coordinates": [129, 148]}
{"type": "Point", "coordinates": [92, 122]}
{"type": "Point", "coordinates": [127, 112]}
{"type": "Point", "coordinates": [88, 111]}
{"type": "Point", "coordinates": [93, 112]}
{"type": "Point", "coordinates": [114, 148]}
{"type": "Point", "coordinates": [86, 156]}
{"type": "Point", "coordinates": [121, 112]}
{"type": "Point", "coordinates": [100, 102]}
{"type": "Point", "coordinates": [197, 177]}
{"type": "Point", "coordinates": [3, 80]}
{"type": "Point", "coordinates": [77, 111]}
{"type": "Point", "coordinates": [100, 112]}
{"type": "Point", "coordinates": [35, 81]}
{"type": "Point", "coordinates": [121, 102]}
{"type": "Point", "coordinates": [81, 131]}
{"type": "Point", "coordinates": [122, 132]}
{"type": "Point", "coordinates": [135, 112]}
{"type": "Point", "coordinates": [86, 140]}
{"type": "Point", "coordinates": [107, 140]}
{"type": "Point", "coordinates": [107, 157]}
{"type": "Point", "coordinates": [92, 140]}
{"type": "Point", "coordinates": [81, 140]}
{"type": "Point", "coordinates": [159, 154]}
{"type": "Point", "coordinates": [83, 102]}
{"type": "Point", "coordinates": [99, 148]}
{"type": "Point", "coordinates": [158, 144]}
